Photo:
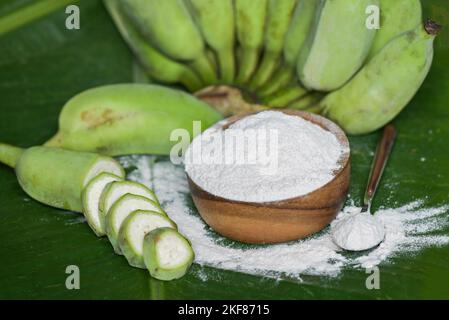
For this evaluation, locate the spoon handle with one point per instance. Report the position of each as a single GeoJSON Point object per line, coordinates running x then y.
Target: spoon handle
{"type": "Point", "coordinates": [380, 160]}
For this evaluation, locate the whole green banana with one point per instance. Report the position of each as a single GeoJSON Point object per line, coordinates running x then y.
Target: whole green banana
{"type": "Point", "coordinates": [216, 21]}
{"type": "Point", "coordinates": [157, 65]}
{"type": "Point", "coordinates": [54, 176]}
{"type": "Point", "coordinates": [308, 102]}
{"type": "Point", "coordinates": [250, 16]}
{"type": "Point", "coordinates": [285, 96]}
{"type": "Point", "coordinates": [129, 119]}
{"type": "Point", "coordinates": [278, 20]}
{"type": "Point", "coordinates": [396, 17]}
{"type": "Point", "coordinates": [386, 84]}
{"type": "Point", "coordinates": [337, 46]}
{"type": "Point", "coordinates": [294, 40]}
{"type": "Point", "coordinates": [169, 26]}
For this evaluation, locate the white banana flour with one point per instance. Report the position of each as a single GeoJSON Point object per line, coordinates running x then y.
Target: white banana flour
{"type": "Point", "coordinates": [264, 157]}
{"type": "Point", "coordinates": [409, 229]}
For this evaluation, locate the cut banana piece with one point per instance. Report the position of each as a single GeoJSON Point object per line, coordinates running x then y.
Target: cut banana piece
{"type": "Point", "coordinates": [121, 209]}
{"type": "Point", "coordinates": [91, 200]}
{"type": "Point", "coordinates": [133, 230]}
{"type": "Point", "coordinates": [167, 254]}
{"type": "Point", "coordinates": [116, 190]}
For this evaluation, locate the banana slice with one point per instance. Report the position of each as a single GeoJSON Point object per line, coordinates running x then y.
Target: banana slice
{"type": "Point", "coordinates": [167, 254]}
{"type": "Point", "coordinates": [121, 209]}
{"type": "Point", "coordinates": [118, 189]}
{"type": "Point", "coordinates": [91, 199]}
{"type": "Point", "coordinates": [133, 230]}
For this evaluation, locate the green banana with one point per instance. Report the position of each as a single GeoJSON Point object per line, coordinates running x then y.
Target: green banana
{"type": "Point", "coordinates": [397, 17]}
{"type": "Point", "coordinates": [386, 84]}
{"type": "Point", "coordinates": [56, 177]}
{"type": "Point", "coordinates": [278, 21]}
{"type": "Point", "coordinates": [212, 60]}
{"type": "Point", "coordinates": [285, 96]}
{"type": "Point", "coordinates": [307, 102]}
{"type": "Point", "coordinates": [158, 66]}
{"type": "Point", "coordinates": [129, 119]}
{"type": "Point", "coordinates": [169, 26]}
{"type": "Point", "coordinates": [283, 77]}
{"type": "Point", "coordinates": [216, 21]}
{"type": "Point", "coordinates": [337, 45]}
{"type": "Point", "coordinates": [250, 18]}
{"type": "Point", "coordinates": [294, 40]}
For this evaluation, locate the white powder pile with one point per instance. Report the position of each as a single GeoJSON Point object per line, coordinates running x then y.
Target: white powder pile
{"type": "Point", "coordinates": [265, 157]}
{"type": "Point", "coordinates": [358, 232]}
{"type": "Point", "coordinates": [409, 229]}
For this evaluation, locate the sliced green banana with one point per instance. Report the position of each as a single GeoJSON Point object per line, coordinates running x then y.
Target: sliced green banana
{"type": "Point", "coordinates": [337, 45]}
{"type": "Point", "coordinates": [167, 254]}
{"type": "Point", "coordinates": [133, 230]}
{"type": "Point", "coordinates": [91, 200]}
{"type": "Point", "coordinates": [118, 189]}
{"type": "Point", "coordinates": [121, 209]}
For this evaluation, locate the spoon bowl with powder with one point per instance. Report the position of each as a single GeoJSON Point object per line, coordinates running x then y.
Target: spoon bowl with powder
{"type": "Point", "coordinates": [269, 177]}
{"type": "Point", "coordinates": [363, 231]}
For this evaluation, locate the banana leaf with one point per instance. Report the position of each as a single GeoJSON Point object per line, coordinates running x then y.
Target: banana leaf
{"type": "Point", "coordinates": [42, 65]}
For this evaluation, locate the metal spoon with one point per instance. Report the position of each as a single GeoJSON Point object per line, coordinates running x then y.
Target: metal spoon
{"type": "Point", "coordinates": [363, 231]}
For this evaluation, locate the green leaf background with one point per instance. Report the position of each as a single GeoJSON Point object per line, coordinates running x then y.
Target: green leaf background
{"type": "Point", "coordinates": [42, 65]}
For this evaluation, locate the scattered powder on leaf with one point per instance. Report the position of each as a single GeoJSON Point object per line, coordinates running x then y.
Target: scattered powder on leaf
{"type": "Point", "coordinates": [409, 229]}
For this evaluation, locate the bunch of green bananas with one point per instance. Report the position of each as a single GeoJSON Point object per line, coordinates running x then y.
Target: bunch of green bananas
{"type": "Point", "coordinates": [315, 55]}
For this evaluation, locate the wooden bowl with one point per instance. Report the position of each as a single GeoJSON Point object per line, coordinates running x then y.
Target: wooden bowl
{"type": "Point", "coordinates": [278, 221]}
